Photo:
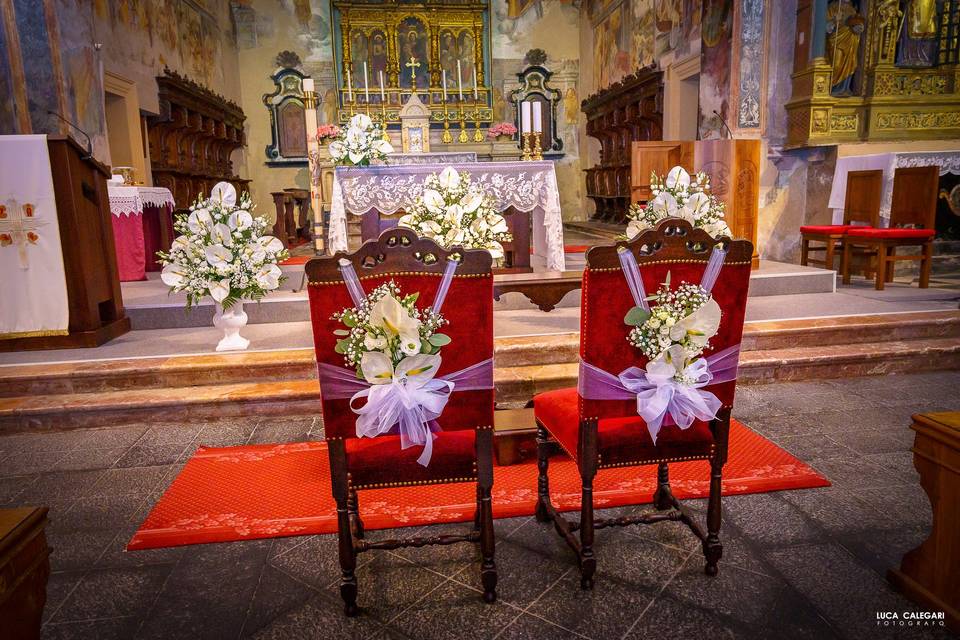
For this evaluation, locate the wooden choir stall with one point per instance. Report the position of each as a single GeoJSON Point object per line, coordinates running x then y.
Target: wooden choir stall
{"type": "Point", "coordinates": [733, 167]}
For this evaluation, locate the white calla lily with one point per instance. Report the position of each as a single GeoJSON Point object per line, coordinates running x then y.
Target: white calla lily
{"type": "Point", "coordinates": [497, 223]}
{"type": "Point", "coordinates": [224, 193]}
{"type": "Point", "coordinates": [496, 250]}
{"type": "Point", "coordinates": [433, 201]}
{"type": "Point", "coordinates": [374, 342]}
{"type": "Point", "coordinates": [356, 157]}
{"type": "Point", "coordinates": [395, 320]}
{"type": "Point", "coordinates": [174, 275]}
{"type": "Point", "coordinates": [382, 146]}
{"type": "Point", "coordinates": [268, 277]}
{"type": "Point", "coordinates": [677, 178]}
{"type": "Point", "coordinates": [199, 220]}
{"type": "Point", "coordinates": [669, 363]}
{"type": "Point", "coordinates": [218, 255]}
{"type": "Point", "coordinates": [219, 289]}
{"type": "Point", "coordinates": [270, 244]}
{"type": "Point", "coordinates": [336, 149]}
{"type": "Point", "coordinates": [361, 121]}
{"type": "Point", "coordinates": [634, 228]}
{"type": "Point", "coordinates": [430, 228]}
{"type": "Point", "coordinates": [449, 178]}
{"type": "Point", "coordinates": [472, 201]}
{"type": "Point", "coordinates": [454, 214]}
{"type": "Point", "coordinates": [240, 220]}
{"type": "Point", "coordinates": [698, 204]}
{"type": "Point", "coordinates": [454, 236]}
{"type": "Point", "coordinates": [699, 326]}
{"type": "Point", "coordinates": [221, 234]}
{"type": "Point", "coordinates": [406, 220]}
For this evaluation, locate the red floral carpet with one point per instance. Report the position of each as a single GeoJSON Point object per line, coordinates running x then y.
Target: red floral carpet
{"type": "Point", "coordinates": [275, 490]}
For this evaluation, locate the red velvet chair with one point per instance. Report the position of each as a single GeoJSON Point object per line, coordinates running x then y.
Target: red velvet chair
{"type": "Point", "coordinates": [861, 208]}
{"type": "Point", "coordinates": [913, 212]}
{"type": "Point", "coordinates": [600, 434]}
{"type": "Point", "coordinates": [463, 449]}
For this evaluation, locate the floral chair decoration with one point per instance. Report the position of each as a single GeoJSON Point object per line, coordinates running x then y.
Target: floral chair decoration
{"type": "Point", "coordinates": [403, 332]}
{"type": "Point", "coordinates": [657, 375]}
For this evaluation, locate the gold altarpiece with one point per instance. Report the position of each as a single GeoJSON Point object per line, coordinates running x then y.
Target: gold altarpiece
{"type": "Point", "coordinates": [888, 91]}
{"type": "Point", "coordinates": [411, 44]}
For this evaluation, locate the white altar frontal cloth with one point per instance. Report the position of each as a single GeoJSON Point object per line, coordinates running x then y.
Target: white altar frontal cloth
{"type": "Point", "coordinates": [525, 186]}
{"type": "Point", "coordinates": [125, 201]}
{"type": "Point", "coordinates": [33, 284]}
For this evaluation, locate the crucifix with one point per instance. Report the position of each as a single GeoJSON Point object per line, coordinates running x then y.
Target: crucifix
{"type": "Point", "coordinates": [413, 64]}
{"type": "Point", "coordinates": [19, 226]}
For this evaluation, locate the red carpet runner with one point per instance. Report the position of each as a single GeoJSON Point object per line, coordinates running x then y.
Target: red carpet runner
{"type": "Point", "coordinates": [267, 491]}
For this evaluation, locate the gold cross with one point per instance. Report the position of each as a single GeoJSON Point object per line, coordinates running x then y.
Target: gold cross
{"type": "Point", "coordinates": [413, 64]}
{"type": "Point", "coordinates": [18, 225]}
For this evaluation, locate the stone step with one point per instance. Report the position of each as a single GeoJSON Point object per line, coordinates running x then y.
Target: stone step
{"type": "Point", "coordinates": [528, 351]}
{"type": "Point", "coordinates": [515, 386]}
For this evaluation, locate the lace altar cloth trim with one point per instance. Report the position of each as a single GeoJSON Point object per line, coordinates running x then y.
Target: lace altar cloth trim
{"type": "Point", "coordinates": [125, 201]}
{"type": "Point", "coordinates": [442, 157]}
{"type": "Point", "coordinates": [526, 186]}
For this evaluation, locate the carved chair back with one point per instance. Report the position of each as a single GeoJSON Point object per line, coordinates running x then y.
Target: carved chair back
{"type": "Point", "coordinates": [673, 248]}
{"type": "Point", "coordinates": [914, 201]}
{"type": "Point", "coordinates": [415, 265]}
{"type": "Point", "coordinates": [862, 200]}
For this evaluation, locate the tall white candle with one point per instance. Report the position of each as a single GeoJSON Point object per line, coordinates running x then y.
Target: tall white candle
{"type": "Point", "coordinates": [366, 85]}
{"type": "Point", "coordinates": [383, 94]}
{"type": "Point", "coordinates": [475, 84]}
{"type": "Point", "coordinates": [459, 82]}
{"type": "Point", "coordinates": [537, 117]}
{"type": "Point", "coordinates": [525, 117]}
{"type": "Point", "coordinates": [349, 87]}
{"type": "Point", "coordinates": [444, 75]}
{"type": "Point", "coordinates": [308, 85]}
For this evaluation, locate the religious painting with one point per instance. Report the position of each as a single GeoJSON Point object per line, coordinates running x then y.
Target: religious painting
{"type": "Point", "coordinates": [448, 53]}
{"type": "Point", "coordinates": [378, 56]}
{"type": "Point", "coordinates": [919, 35]}
{"type": "Point", "coordinates": [516, 8]}
{"type": "Point", "coordinates": [359, 54]}
{"type": "Point", "coordinates": [643, 37]}
{"type": "Point", "coordinates": [466, 49]}
{"type": "Point", "coordinates": [717, 31]}
{"type": "Point", "coordinates": [611, 56]}
{"type": "Point", "coordinates": [412, 43]}
{"type": "Point", "coordinates": [81, 82]}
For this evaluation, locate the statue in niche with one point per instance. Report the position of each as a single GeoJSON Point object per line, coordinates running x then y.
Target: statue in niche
{"type": "Point", "coordinates": [845, 27]}
{"type": "Point", "coordinates": [919, 43]}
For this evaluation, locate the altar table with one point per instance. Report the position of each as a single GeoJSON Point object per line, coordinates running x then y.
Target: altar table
{"type": "Point", "coordinates": [525, 186]}
{"type": "Point", "coordinates": [141, 220]}
{"type": "Point", "coordinates": [948, 161]}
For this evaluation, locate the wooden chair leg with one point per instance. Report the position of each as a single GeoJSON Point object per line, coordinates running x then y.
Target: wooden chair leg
{"type": "Point", "coordinates": [476, 513]}
{"type": "Point", "coordinates": [353, 508]}
{"type": "Point", "coordinates": [828, 256]}
{"type": "Point", "coordinates": [891, 264]}
{"type": "Point", "coordinates": [845, 262]}
{"type": "Point", "coordinates": [712, 549]}
{"type": "Point", "coordinates": [588, 469]}
{"type": "Point", "coordinates": [881, 274]}
{"type": "Point", "coordinates": [926, 264]}
{"type": "Point", "coordinates": [663, 497]}
{"type": "Point", "coordinates": [804, 250]}
{"type": "Point", "coordinates": [543, 481]}
{"type": "Point", "coordinates": [488, 567]}
{"type": "Point", "coordinates": [348, 555]}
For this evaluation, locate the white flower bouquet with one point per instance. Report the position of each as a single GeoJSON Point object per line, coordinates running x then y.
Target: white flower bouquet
{"type": "Point", "coordinates": [360, 142]}
{"type": "Point", "coordinates": [452, 210]}
{"type": "Point", "coordinates": [221, 251]}
{"type": "Point", "coordinates": [386, 330]}
{"type": "Point", "coordinates": [677, 329]}
{"type": "Point", "coordinates": [679, 196]}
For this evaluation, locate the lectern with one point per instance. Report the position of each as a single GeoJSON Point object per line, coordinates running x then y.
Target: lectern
{"type": "Point", "coordinates": [89, 256]}
{"type": "Point", "coordinates": [732, 165]}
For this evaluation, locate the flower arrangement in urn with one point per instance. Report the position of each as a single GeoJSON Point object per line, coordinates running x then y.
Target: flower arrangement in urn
{"type": "Point", "coordinates": [452, 210]}
{"type": "Point", "coordinates": [679, 195]}
{"type": "Point", "coordinates": [327, 132]}
{"type": "Point", "coordinates": [221, 251]}
{"type": "Point", "coordinates": [360, 143]}
{"type": "Point", "coordinates": [503, 130]}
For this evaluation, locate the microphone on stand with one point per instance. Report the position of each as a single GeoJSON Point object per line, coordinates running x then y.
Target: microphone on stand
{"type": "Point", "coordinates": [89, 144]}
{"type": "Point", "coordinates": [724, 123]}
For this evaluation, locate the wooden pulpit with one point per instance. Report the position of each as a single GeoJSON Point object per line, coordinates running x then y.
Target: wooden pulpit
{"type": "Point", "coordinates": [89, 254]}
{"type": "Point", "coordinates": [732, 165]}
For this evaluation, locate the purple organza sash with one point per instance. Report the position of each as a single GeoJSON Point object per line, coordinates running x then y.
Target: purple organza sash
{"type": "Point", "coordinates": [409, 406]}
{"type": "Point", "coordinates": [660, 399]}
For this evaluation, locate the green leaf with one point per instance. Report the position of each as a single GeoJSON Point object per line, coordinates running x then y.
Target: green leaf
{"type": "Point", "coordinates": [667, 281]}
{"type": "Point", "coordinates": [439, 339]}
{"type": "Point", "coordinates": [426, 347]}
{"type": "Point", "coordinates": [341, 332]}
{"type": "Point", "coordinates": [341, 346]}
{"type": "Point", "coordinates": [349, 320]}
{"type": "Point", "coordinates": [411, 297]}
{"type": "Point", "coordinates": [636, 316]}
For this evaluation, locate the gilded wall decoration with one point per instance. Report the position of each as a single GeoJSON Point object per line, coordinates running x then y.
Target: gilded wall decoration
{"type": "Point", "coordinates": [919, 120]}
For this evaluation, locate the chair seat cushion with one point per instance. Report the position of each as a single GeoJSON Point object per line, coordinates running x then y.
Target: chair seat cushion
{"type": "Point", "coordinates": [621, 441]}
{"type": "Point", "coordinates": [380, 462]}
{"type": "Point", "coordinates": [870, 232]}
{"type": "Point", "coordinates": [827, 229]}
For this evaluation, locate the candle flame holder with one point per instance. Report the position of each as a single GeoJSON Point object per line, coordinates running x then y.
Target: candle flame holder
{"type": "Point", "coordinates": [526, 155]}
{"type": "Point", "coordinates": [537, 151]}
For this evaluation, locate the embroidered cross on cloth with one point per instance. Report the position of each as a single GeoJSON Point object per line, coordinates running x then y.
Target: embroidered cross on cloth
{"type": "Point", "coordinates": [19, 227]}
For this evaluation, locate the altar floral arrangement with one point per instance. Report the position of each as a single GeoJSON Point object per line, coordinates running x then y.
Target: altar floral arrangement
{"type": "Point", "coordinates": [221, 251]}
{"type": "Point", "coordinates": [676, 330]}
{"type": "Point", "coordinates": [387, 336]}
{"type": "Point", "coordinates": [327, 131]}
{"type": "Point", "coordinates": [360, 143]}
{"type": "Point", "coordinates": [452, 210]}
{"type": "Point", "coordinates": [679, 196]}
{"type": "Point", "coordinates": [502, 129]}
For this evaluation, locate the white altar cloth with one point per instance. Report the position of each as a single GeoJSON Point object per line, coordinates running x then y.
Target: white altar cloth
{"type": "Point", "coordinates": [525, 186]}
{"type": "Point", "coordinates": [125, 201]}
{"type": "Point", "coordinates": [948, 161]}
{"type": "Point", "coordinates": [33, 283]}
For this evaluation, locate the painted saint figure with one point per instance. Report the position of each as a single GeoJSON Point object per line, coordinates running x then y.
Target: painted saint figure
{"type": "Point", "coordinates": [844, 29]}
{"type": "Point", "coordinates": [919, 43]}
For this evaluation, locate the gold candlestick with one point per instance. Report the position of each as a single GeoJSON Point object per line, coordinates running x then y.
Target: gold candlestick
{"type": "Point", "coordinates": [463, 137]}
{"type": "Point", "coordinates": [537, 150]}
{"type": "Point", "coordinates": [526, 147]}
{"type": "Point", "coordinates": [383, 118]}
{"type": "Point", "coordinates": [447, 137]}
{"type": "Point", "coordinates": [478, 136]}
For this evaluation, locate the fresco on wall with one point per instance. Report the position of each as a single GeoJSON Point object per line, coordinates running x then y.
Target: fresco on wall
{"type": "Point", "coordinates": [82, 84]}
{"type": "Point", "coordinates": [8, 116]}
{"type": "Point", "coordinates": [716, 29]}
{"type": "Point", "coordinates": [520, 25]}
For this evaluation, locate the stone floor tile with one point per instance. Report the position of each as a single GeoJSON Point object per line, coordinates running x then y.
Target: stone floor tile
{"type": "Point", "coordinates": [226, 433]}
{"type": "Point", "coordinates": [276, 593]}
{"type": "Point", "coordinates": [110, 437]}
{"type": "Point", "coordinates": [59, 586]}
{"type": "Point", "coordinates": [60, 486]}
{"type": "Point", "coordinates": [449, 611]}
{"type": "Point", "coordinates": [837, 509]}
{"type": "Point", "coordinates": [115, 554]}
{"type": "Point", "coordinates": [768, 519]}
{"type": "Point", "coordinates": [443, 559]}
{"type": "Point", "coordinates": [280, 429]}
{"type": "Point", "coordinates": [313, 560]}
{"type": "Point", "coordinates": [131, 480]}
{"type": "Point", "coordinates": [527, 626]}
{"type": "Point", "coordinates": [79, 459]}
{"type": "Point", "coordinates": [819, 445]}
{"type": "Point", "coordinates": [116, 628]}
{"type": "Point", "coordinates": [11, 487]}
{"type": "Point", "coordinates": [30, 461]}
{"type": "Point", "coordinates": [111, 593]}
{"type": "Point", "coordinates": [151, 455]}
{"type": "Point", "coordinates": [855, 472]}
{"type": "Point", "coordinates": [865, 441]}
{"type": "Point", "coordinates": [320, 619]}
{"type": "Point", "coordinates": [168, 433]}
{"type": "Point", "coordinates": [77, 549]}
